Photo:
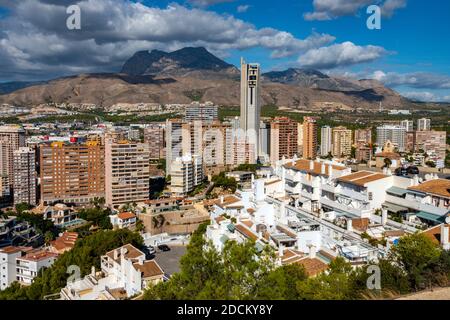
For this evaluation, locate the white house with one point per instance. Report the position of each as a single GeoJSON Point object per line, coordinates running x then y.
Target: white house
{"type": "Point", "coordinates": [30, 264]}
{"type": "Point", "coordinates": [124, 220]}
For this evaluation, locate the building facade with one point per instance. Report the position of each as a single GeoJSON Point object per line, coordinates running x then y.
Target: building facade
{"type": "Point", "coordinates": [24, 176]}
{"type": "Point", "coordinates": [342, 142]}
{"type": "Point", "coordinates": [309, 138]}
{"type": "Point", "coordinates": [325, 142]}
{"type": "Point", "coordinates": [127, 172]}
{"type": "Point", "coordinates": [72, 173]}
{"type": "Point", "coordinates": [283, 139]}
{"type": "Point", "coordinates": [395, 134]}
{"type": "Point", "coordinates": [154, 136]}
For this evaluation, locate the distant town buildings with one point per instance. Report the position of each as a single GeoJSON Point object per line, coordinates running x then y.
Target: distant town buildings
{"type": "Point", "coordinates": [202, 112]}
{"type": "Point", "coordinates": [342, 142]}
{"type": "Point", "coordinates": [154, 136]}
{"type": "Point", "coordinates": [394, 133]}
{"type": "Point", "coordinates": [11, 139]}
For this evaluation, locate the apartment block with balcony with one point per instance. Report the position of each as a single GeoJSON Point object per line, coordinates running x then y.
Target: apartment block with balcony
{"type": "Point", "coordinates": [29, 265]}
{"type": "Point", "coordinates": [186, 174]}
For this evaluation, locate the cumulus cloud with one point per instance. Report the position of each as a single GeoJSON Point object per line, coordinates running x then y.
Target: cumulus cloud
{"type": "Point", "coordinates": [207, 3]}
{"type": "Point", "coordinates": [425, 96]}
{"type": "Point", "coordinates": [420, 80]}
{"type": "Point", "coordinates": [332, 9]}
{"type": "Point", "coordinates": [112, 30]}
{"type": "Point", "coordinates": [340, 55]}
{"type": "Point", "coordinates": [243, 8]}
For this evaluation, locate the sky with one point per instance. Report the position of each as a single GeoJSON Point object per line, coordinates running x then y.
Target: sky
{"type": "Point", "coordinates": [410, 53]}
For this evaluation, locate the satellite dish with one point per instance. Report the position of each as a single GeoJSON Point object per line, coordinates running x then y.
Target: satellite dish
{"type": "Point", "coordinates": [447, 220]}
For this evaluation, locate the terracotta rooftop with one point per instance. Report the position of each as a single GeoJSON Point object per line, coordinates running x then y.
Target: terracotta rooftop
{"type": "Point", "coordinates": [394, 233]}
{"type": "Point", "coordinates": [14, 249]}
{"type": "Point", "coordinates": [149, 269]}
{"type": "Point", "coordinates": [304, 165]}
{"type": "Point", "coordinates": [291, 256]}
{"type": "Point", "coordinates": [360, 224]}
{"type": "Point", "coordinates": [248, 223]}
{"type": "Point", "coordinates": [228, 201]}
{"type": "Point", "coordinates": [126, 215]}
{"type": "Point", "coordinates": [440, 187]}
{"type": "Point", "coordinates": [131, 253]}
{"type": "Point", "coordinates": [313, 266]}
{"type": "Point", "coordinates": [390, 155]}
{"type": "Point", "coordinates": [246, 232]}
{"type": "Point", "coordinates": [435, 233]}
{"type": "Point", "coordinates": [67, 240]}
{"type": "Point", "coordinates": [38, 255]}
{"type": "Point", "coordinates": [361, 178]}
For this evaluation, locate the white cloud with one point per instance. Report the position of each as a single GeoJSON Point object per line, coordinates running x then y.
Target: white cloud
{"type": "Point", "coordinates": [207, 3]}
{"type": "Point", "coordinates": [333, 9]}
{"type": "Point", "coordinates": [112, 30]}
{"type": "Point", "coordinates": [243, 8]}
{"type": "Point", "coordinates": [421, 80]}
{"type": "Point", "coordinates": [339, 55]}
{"type": "Point", "coordinates": [425, 96]}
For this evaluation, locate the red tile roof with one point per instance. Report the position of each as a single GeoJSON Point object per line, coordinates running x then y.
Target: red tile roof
{"type": "Point", "coordinates": [126, 215]}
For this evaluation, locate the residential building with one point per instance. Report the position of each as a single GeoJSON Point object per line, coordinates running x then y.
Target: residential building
{"type": "Point", "coordinates": [60, 214]}
{"type": "Point", "coordinates": [125, 273]}
{"type": "Point", "coordinates": [363, 135]}
{"type": "Point", "coordinates": [11, 139]}
{"type": "Point", "coordinates": [186, 174]}
{"type": "Point", "coordinates": [434, 143]}
{"type": "Point", "coordinates": [24, 176]}
{"type": "Point", "coordinates": [250, 103]}
{"type": "Point", "coordinates": [393, 133]}
{"type": "Point", "coordinates": [154, 136]}
{"type": "Point", "coordinates": [18, 233]}
{"type": "Point", "coordinates": [31, 263]}
{"type": "Point", "coordinates": [300, 139]}
{"type": "Point", "coordinates": [309, 138]}
{"type": "Point", "coordinates": [326, 142]}
{"type": "Point", "coordinates": [342, 142]}
{"type": "Point", "coordinates": [424, 124]}
{"type": "Point", "coordinates": [127, 172]}
{"type": "Point", "coordinates": [265, 139]}
{"type": "Point", "coordinates": [72, 172]}
{"type": "Point", "coordinates": [408, 125]}
{"type": "Point", "coordinates": [124, 220]}
{"type": "Point", "coordinates": [283, 139]}
{"type": "Point", "coordinates": [65, 242]}
{"type": "Point", "coordinates": [174, 141]}
{"type": "Point", "coordinates": [204, 112]}
{"type": "Point", "coordinates": [134, 134]}
{"type": "Point", "coordinates": [8, 270]}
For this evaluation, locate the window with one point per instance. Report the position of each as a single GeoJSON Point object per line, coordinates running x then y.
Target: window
{"type": "Point", "coordinates": [370, 196]}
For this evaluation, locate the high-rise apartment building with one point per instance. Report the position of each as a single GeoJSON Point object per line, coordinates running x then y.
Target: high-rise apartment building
{"type": "Point", "coordinates": [174, 141]}
{"type": "Point", "coordinates": [325, 142]}
{"type": "Point", "coordinates": [72, 173]}
{"type": "Point", "coordinates": [423, 124]}
{"type": "Point", "coordinates": [11, 139]}
{"type": "Point", "coordinates": [127, 172]}
{"type": "Point", "coordinates": [24, 176]}
{"type": "Point", "coordinates": [408, 125]}
{"type": "Point", "coordinates": [154, 136]}
{"type": "Point", "coordinates": [300, 139]}
{"type": "Point", "coordinates": [363, 136]}
{"type": "Point", "coordinates": [283, 139]}
{"type": "Point", "coordinates": [431, 142]}
{"type": "Point", "coordinates": [309, 138]}
{"type": "Point", "coordinates": [202, 112]}
{"type": "Point", "coordinates": [342, 142]}
{"type": "Point", "coordinates": [250, 103]}
{"type": "Point", "coordinates": [186, 174]}
{"type": "Point", "coordinates": [395, 134]}
{"type": "Point", "coordinates": [264, 139]}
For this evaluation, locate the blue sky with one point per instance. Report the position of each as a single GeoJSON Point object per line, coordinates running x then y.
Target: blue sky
{"type": "Point", "coordinates": [410, 53]}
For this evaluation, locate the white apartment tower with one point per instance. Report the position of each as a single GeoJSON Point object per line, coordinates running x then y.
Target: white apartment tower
{"type": "Point", "coordinates": [24, 176]}
{"type": "Point", "coordinates": [250, 102]}
{"type": "Point", "coordinates": [186, 173]}
{"type": "Point", "coordinates": [395, 134]}
{"type": "Point", "coordinates": [325, 144]}
{"type": "Point", "coordinates": [424, 124]}
{"type": "Point", "coordinates": [408, 125]}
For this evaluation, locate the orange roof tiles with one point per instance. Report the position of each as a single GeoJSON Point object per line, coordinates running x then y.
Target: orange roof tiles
{"type": "Point", "coordinates": [126, 215]}
{"type": "Point", "coordinates": [38, 255]}
{"type": "Point", "coordinates": [149, 269]}
{"type": "Point", "coordinates": [131, 253]}
{"type": "Point", "coordinates": [313, 266]}
{"type": "Point", "coordinates": [362, 177]}
{"type": "Point", "coordinates": [440, 187]}
{"type": "Point", "coordinates": [246, 232]}
{"type": "Point", "coordinates": [228, 201]}
{"type": "Point", "coordinates": [435, 233]}
{"type": "Point", "coordinates": [304, 165]}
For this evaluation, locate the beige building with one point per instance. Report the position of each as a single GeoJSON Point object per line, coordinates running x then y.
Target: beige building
{"type": "Point", "coordinates": [72, 173]}
{"type": "Point", "coordinates": [186, 174]}
{"type": "Point", "coordinates": [24, 176]}
{"type": "Point", "coordinates": [363, 135]}
{"type": "Point", "coordinates": [11, 139]}
{"type": "Point", "coordinates": [309, 138]}
{"type": "Point", "coordinates": [283, 139]}
{"type": "Point", "coordinates": [431, 142]}
{"type": "Point", "coordinates": [341, 141]}
{"type": "Point", "coordinates": [154, 136]}
{"type": "Point", "coordinates": [127, 172]}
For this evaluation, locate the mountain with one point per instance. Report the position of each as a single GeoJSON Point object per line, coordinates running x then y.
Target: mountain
{"type": "Point", "coordinates": [8, 87]}
{"type": "Point", "coordinates": [183, 62]}
{"type": "Point", "coordinates": [195, 74]}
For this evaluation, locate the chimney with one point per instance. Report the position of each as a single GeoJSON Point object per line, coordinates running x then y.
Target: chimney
{"type": "Point", "coordinates": [330, 170]}
{"type": "Point", "coordinates": [93, 271]}
{"type": "Point", "coordinates": [280, 250]}
{"type": "Point", "coordinates": [322, 168]}
{"type": "Point", "coordinates": [311, 165]}
{"type": "Point", "coordinates": [221, 199]}
{"type": "Point", "coordinates": [349, 225]}
{"type": "Point", "coordinates": [445, 235]}
{"type": "Point", "coordinates": [312, 252]}
{"type": "Point", "coordinates": [116, 254]}
{"type": "Point", "coordinates": [384, 216]}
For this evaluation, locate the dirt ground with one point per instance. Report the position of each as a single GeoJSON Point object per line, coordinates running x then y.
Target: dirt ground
{"type": "Point", "coordinates": [435, 294]}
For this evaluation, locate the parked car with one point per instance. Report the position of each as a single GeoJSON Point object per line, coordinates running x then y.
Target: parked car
{"type": "Point", "coordinates": [413, 170]}
{"type": "Point", "coordinates": [163, 247]}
